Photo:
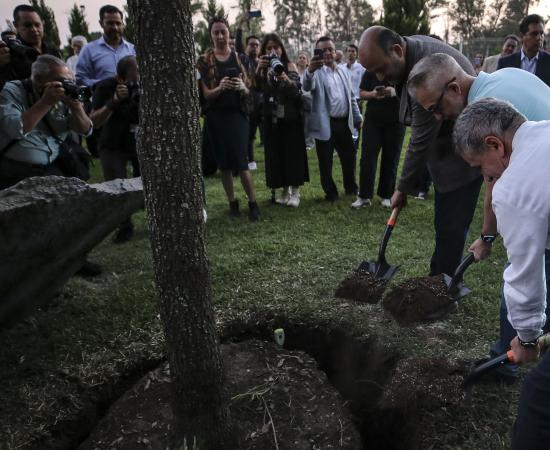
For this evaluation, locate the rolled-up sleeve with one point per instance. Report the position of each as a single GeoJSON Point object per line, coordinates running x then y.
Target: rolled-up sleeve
{"type": "Point", "coordinates": [525, 235]}
{"type": "Point", "coordinates": [11, 111]}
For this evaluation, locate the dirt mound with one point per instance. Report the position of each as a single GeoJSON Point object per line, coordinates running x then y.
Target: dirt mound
{"type": "Point", "coordinates": [418, 300]}
{"type": "Point", "coordinates": [361, 286]}
{"type": "Point", "coordinates": [274, 392]}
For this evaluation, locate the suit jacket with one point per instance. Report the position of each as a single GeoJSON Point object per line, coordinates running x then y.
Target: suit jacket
{"type": "Point", "coordinates": [543, 64]}
{"type": "Point", "coordinates": [490, 64]}
{"type": "Point", "coordinates": [319, 117]}
{"type": "Point", "coordinates": [431, 139]}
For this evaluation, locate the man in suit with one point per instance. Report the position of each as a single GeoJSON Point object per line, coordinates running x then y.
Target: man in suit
{"type": "Point", "coordinates": [333, 118]}
{"type": "Point", "coordinates": [531, 57]}
{"type": "Point", "coordinates": [509, 47]}
{"type": "Point", "coordinates": [391, 57]}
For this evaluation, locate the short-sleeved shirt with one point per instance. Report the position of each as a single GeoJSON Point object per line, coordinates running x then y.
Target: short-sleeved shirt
{"type": "Point", "coordinates": [118, 133]}
{"type": "Point", "coordinates": [384, 110]}
{"type": "Point", "coordinates": [38, 146]}
{"type": "Point", "coordinates": [227, 99]}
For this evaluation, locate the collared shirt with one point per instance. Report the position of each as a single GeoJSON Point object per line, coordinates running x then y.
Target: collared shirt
{"type": "Point", "coordinates": [37, 146]}
{"type": "Point", "coordinates": [520, 202]}
{"type": "Point", "coordinates": [336, 91]}
{"type": "Point", "coordinates": [530, 65]}
{"type": "Point", "coordinates": [72, 62]}
{"type": "Point", "coordinates": [527, 92]}
{"type": "Point", "coordinates": [356, 72]}
{"type": "Point", "coordinates": [98, 60]}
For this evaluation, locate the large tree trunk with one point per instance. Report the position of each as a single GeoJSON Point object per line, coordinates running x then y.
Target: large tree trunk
{"type": "Point", "coordinates": [168, 148]}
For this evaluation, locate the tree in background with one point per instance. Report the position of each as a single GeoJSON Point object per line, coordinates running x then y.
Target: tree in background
{"type": "Point", "coordinates": [77, 22]}
{"type": "Point", "coordinates": [345, 20]}
{"type": "Point", "coordinates": [129, 29]}
{"type": "Point", "coordinates": [51, 32]}
{"type": "Point", "coordinates": [298, 22]}
{"type": "Point", "coordinates": [468, 17]}
{"type": "Point", "coordinates": [407, 17]}
{"type": "Point", "coordinates": [169, 153]}
{"type": "Point", "coordinates": [201, 34]}
{"type": "Point", "coordinates": [515, 11]}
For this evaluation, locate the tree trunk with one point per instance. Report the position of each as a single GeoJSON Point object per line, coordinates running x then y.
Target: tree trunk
{"type": "Point", "coordinates": [168, 148]}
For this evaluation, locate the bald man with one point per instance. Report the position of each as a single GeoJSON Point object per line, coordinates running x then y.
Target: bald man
{"type": "Point", "coordinates": [391, 57]}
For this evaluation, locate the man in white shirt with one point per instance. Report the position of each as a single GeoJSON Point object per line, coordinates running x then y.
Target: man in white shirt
{"type": "Point", "coordinates": [493, 135]}
{"type": "Point", "coordinates": [333, 118]}
{"type": "Point", "coordinates": [355, 72]}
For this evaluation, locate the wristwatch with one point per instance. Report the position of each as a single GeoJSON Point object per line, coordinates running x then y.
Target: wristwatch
{"type": "Point", "coordinates": [528, 344]}
{"type": "Point", "coordinates": [489, 238]}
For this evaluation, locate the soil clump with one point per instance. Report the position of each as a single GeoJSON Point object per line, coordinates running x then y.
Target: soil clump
{"type": "Point", "coordinates": [275, 393]}
{"type": "Point", "coordinates": [361, 286]}
{"type": "Point", "coordinates": [418, 300]}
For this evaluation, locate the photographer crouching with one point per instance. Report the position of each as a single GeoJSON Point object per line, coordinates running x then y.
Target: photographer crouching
{"type": "Point", "coordinates": [285, 149]}
{"type": "Point", "coordinates": [115, 109]}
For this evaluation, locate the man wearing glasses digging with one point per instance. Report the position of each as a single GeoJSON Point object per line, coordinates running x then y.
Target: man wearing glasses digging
{"type": "Point", "coordinates": [391, 57]}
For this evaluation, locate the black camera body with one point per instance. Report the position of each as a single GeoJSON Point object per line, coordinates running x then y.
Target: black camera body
{"type": "Point", "coordinates": [17, 48]}
{"type": "Point", "coordinates": [133, 91]}
{"type": "Point", "coordinates": [275, 65]}
{"type": "Point", "coordinates": [75, 91]}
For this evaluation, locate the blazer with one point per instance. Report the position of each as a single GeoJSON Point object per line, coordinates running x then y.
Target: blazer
{"type": "Point", "coordinates": [543, 64]}
{"type": "Point", "coordinates": [431, 140]}
{"type": "Point", "coordinates": [319, 117]}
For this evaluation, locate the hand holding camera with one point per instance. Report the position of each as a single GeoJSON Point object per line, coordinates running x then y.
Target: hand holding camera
{"type": "Point", "coordinates": [53, 93]}
{"type": "Point", "coordinates": [5, 58]}
{"type": "Point", "coordinates": [317, 61]}
{"type": "Point", "coordinates": [121, 93]}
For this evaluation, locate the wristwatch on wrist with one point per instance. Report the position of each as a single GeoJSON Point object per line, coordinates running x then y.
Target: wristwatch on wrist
{"type": "Point", "coordinates": [528, 344]}
{"type": "Point", "coordinates": [488, 238]}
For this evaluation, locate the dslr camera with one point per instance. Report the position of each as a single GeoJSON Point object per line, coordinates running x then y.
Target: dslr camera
{"type": "Point", "coordinates": [17, 48]}
{"type": "Point", "coordinates": [75, 91]}
{"type": "Point", "coordinates": [276, 67]}
{"type": "Point", "coordinates": [133, 91]}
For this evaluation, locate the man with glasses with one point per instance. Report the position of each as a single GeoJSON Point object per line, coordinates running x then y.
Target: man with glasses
{"type": "Point", "coordinates": [531, 57]}
{"type": "Point", "coordinates": [391, 57]}
{"type": "Point", "coordinates": [334, 117]}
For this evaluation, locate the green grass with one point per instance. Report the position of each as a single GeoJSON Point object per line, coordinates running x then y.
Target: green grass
{"type": "Point", "coordinates": [289, 262]}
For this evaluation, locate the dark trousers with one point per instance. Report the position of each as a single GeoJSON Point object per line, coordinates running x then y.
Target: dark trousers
{"type": "Point", "coordinates": [387, 137]}
{"type": "Point", "coordinates": [532, 427]}
{"type": "Point", "coordinates": [12, 172]}
{"type": "Point", "coordinates": [342, 141]}
{"type": "Point", "coordinates": [454, 211]}
{"type": "Point", "coordinates": [255, 124]}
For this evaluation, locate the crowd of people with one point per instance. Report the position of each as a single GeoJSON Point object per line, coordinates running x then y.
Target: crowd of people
{"type": "Point", "coordinates": [470, 121]}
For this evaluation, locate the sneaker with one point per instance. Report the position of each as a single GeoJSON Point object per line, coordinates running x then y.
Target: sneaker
{"type": "Point", "coordinates": [253, 211]}
{"type": "Point", "coordinates": [252, 165]}
{"type": "Point", "coordinates": [234, 208]}
{"type": "Point", "coordinates": [421, 195]}
{"type": "Point", "coordinates": [360, 202]}
{"type": "Point", "coordinates": [89, 269]}
{"type": "Point", "coordinates": [294, 199]}
{"type": "Point", "coordinates": [284, 198]}
{"type": "Point", "coordinates": [386, 203]}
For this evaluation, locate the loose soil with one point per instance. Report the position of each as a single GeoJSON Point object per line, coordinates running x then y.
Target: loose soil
{"type": "Point", "coordinates": [274, 392]}
{"type": "Point", "coordinates": [418, 300]}
{"type": "Point", "coordinates": [361, 286]}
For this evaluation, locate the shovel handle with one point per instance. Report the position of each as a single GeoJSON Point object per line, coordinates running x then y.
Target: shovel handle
{"type": "Point", "coordinates": [387, 233]}
{"type": "Point", "coordinates": [466, 262]}
{"type": "Point", "coordinates": [392, 221]}
{"type": "Point", "coordinates": [544, 342]}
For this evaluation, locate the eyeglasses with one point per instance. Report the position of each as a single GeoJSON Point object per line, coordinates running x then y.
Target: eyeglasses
{"type": "Point", "coordinates": [436, 108]}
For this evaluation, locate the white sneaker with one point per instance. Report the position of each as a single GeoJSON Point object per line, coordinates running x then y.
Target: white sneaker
{"type": "Point", "coordinates": [360, 202]}
{"type": "Point", "coordinates": [386, 203]}
{"type": "Point", "coordinates": [284, 198]}
{"type": "Point", "coordinates": [421, 195]}
{"type": "Point", "coordinates": [294, 199]}
{"type": "Point", "coordinates": [252, 165]}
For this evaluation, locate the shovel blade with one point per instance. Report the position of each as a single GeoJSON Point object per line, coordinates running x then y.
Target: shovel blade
{"type": "Point", "coordinates": [457, 292]}
{"type": "Point", "coordinates": [379, 269]}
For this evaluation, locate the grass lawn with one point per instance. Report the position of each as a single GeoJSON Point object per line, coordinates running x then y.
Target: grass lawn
{"type": "Point", "coordinates": [87, 343]}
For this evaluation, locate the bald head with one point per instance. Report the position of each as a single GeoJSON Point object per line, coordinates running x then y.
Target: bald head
{"type": "Point", "coordinates": [382, 52]}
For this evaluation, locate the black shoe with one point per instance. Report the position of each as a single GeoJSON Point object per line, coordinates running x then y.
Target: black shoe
{"type": "Point", "coordinates": [234, 208]}
{"type": "Point", "coordinates": [253, 211]}
{"type": "Point", "coordinates": [89, 269]}
{"type": "Point", "coordinates": [124, 234]}
{"type": "Point", "coordinates": [331, 197]}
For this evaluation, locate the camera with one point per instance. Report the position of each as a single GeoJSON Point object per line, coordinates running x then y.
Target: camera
{"type": "Point", "coordinates": [133, 91]}
{"type": "Point", "coordinates": [275, 65]}
{"type": "Point", "coordinates": [75, 91]}
{"type": "Point", "coordinates": [17, 48]}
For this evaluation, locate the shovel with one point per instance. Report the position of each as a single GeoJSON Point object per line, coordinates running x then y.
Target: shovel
{"type": "Point", "coordinates": [380, 268]}
{"type": "Point", "coordinates": [456, 289]}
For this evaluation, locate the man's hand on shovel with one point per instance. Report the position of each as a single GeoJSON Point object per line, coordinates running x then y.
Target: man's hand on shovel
{"type": "Point", "coordinates": [398, 200]}
{"type": "Point", "coordinates": [523, 354]}
{"type": "Point", "coordinates": [480, 249]}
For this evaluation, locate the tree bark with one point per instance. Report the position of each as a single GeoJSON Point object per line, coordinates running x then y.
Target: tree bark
{"type": "Point", "coordinates": [168, 149]}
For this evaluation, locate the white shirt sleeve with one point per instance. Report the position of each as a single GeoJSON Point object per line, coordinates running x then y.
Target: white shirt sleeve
{"type": "Point", "coordinates": [525, 235]}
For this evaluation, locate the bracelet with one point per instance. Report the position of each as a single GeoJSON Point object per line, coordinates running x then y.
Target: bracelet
{"type": "Point", "coordinates": [488, 238]}
{"type": "Point", "coordinates": [528, 344]}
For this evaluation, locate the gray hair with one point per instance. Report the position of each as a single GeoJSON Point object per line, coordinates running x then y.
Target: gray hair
{"type": "Point", "coordinates": [431, 72]}
{"type": "Point", "coordinates": [44, 65]}
{"type": "Point", "coordinates": [80, 39]}
{"type": "Point", "coordinates": [485, 117]}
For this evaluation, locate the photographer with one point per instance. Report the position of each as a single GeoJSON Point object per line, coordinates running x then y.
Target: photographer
{"type": "Point", "coordinates": [285, 149]}
{"type": "Point", "coordinates": [17, 55]}
{"type": "Point", "coordinates": [115, 109]}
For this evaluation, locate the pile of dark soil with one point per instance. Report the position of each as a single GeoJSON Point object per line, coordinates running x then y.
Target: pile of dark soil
{"type": "Point", "coordinates": [418, 300]}
{"type": "Point", "coordinates": [361, 286]}
{"type": "Point", "coordinates": [275, 394]}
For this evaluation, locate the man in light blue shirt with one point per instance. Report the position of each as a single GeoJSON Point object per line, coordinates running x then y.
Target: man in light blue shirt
{"type": "Point", "coordinates": [98, 59]}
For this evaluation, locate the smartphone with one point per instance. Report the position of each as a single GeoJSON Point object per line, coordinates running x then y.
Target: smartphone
{"type": "Point", "coordinates": [318, 53]}
{"type": "Point", "coordinates": [232, 72]}
{"type": "Point", "coordinates": [252, 14]}
{"type": "Point", "coordinates": [380, 88]}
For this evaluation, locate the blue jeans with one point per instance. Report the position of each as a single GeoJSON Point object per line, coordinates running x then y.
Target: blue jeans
{"type": "Point", "coordinates": [507, 332]}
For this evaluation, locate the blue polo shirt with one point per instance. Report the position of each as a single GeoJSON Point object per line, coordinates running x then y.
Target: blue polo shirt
{"type": "Point", "coordinates": [98, 60]}
{"type": "Point", "coordinates": [527, 92]}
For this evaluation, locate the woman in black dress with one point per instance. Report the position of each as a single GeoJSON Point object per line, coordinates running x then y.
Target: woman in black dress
{"type": "Point", "coordinates": [224, 85]}
{"type": "Point", "coordinates": [285, 149]}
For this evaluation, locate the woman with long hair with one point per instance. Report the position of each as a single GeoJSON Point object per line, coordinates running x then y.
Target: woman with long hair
{"type": "Point", "coordinates": [285, 150]}
{"type": "Point", "coordinates": [225, 87]}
